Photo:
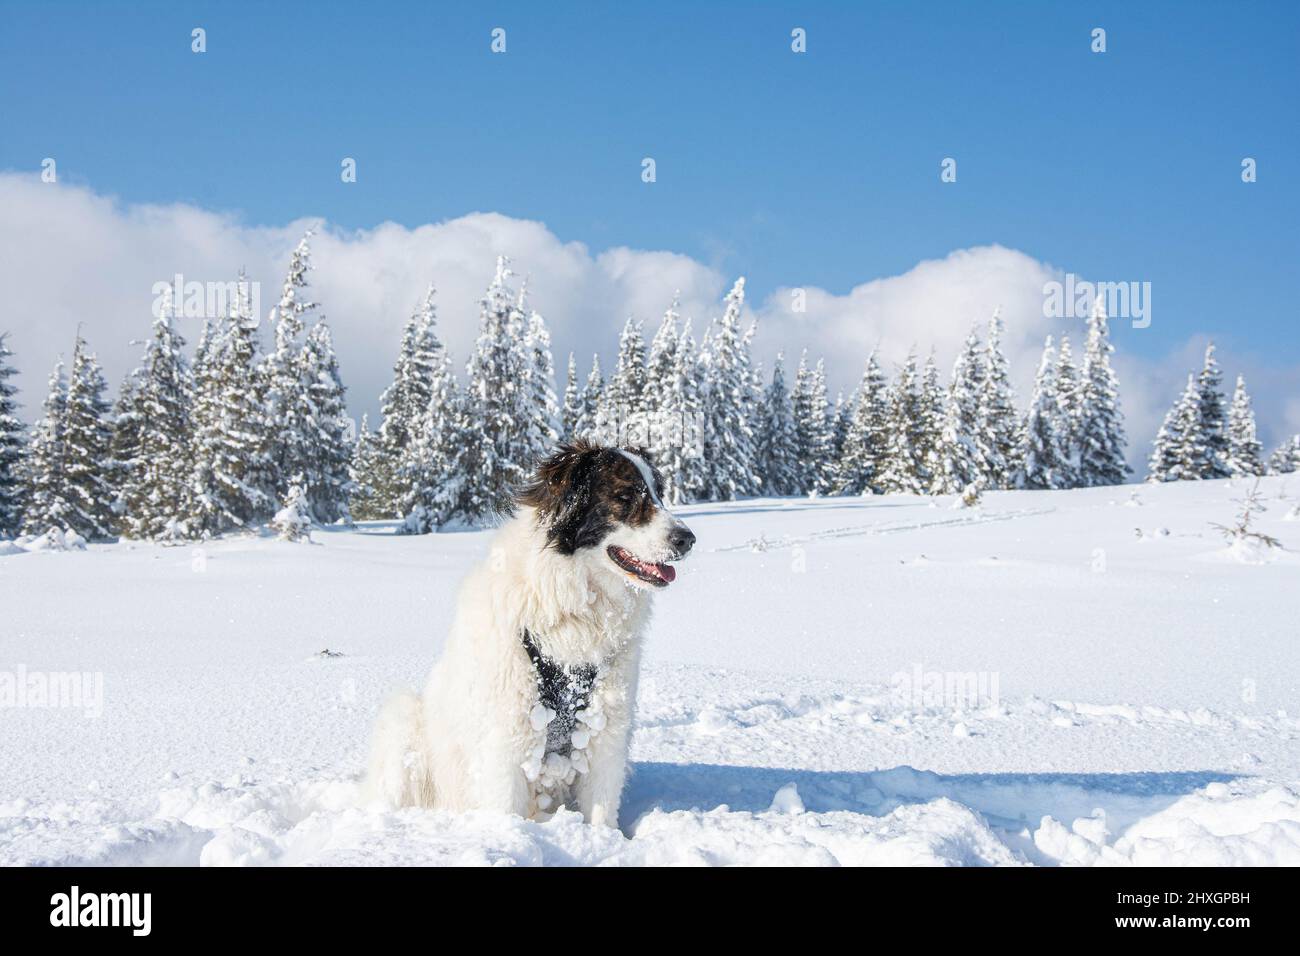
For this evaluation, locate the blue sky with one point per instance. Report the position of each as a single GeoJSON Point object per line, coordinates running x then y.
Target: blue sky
{"type": "Point", "coordinates": [818, 169]}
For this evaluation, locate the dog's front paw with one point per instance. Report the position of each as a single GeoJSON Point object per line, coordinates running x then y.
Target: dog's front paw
{"type": "Point", "coordinates": [603, 816]}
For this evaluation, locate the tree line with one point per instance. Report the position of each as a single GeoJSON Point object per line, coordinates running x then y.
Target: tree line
{"type": "Point", "coordinates": [229, 437]}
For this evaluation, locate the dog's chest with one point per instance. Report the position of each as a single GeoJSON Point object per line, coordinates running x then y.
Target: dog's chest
{"type": "Point", "coordinates": [565, 717]}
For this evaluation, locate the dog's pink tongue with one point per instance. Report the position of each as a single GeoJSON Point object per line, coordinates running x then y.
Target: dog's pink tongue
{"type": "Point", "coordinates": [667, 572]}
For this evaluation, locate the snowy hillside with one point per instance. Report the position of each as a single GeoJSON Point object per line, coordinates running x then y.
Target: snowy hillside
{"type": "Point", "coordinates": [1122, 688]}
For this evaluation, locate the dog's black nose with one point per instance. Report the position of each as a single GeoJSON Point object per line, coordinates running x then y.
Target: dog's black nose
{"type": "Point", "coordinates": [682, 540]}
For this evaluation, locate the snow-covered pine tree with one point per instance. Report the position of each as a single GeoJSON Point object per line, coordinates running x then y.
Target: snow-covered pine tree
{"type": "Point", "coordinates": [1179, 452]}
{"type": "Point", "coordinates": [1244, 449]}
{"type": "Point", "coordinates": [777, 450]}
{"type": "Point", "coordinates": [866, 444]}
{"type": "Point", "coordinates": [124, 449]}
{"type": "Point", "coordinates": [496, 450]}
{"type": "Point", "coordinates": [999, 431]}
{"type": "Point", "coordinates": [961, 463]}
{"type": "Point", "coordinates": [679, 451]}
{"type": "Point", "coordinates": [571, 406]}
{"type": "Point", "coordinates": [200, 509]}
{"type": "Point", "coordinates": [1213, 418]}
{"type": "Point", "coordinates": [621, 416]}
{"type": "Point", "coordinates": [328, 439]}
{"type": "Point", "coordinates": [12, 447]}
{"type": "Point", "coordinates": [287, 406]}
{"type": "Point", "coordinates": [841, 419]}
{"type": "Point", "coordinates": [660, 362]}
{"type": "Point", "coordinates": [933, 406]}
{"type": "Point", "coordinates": [542, 407]}
{"type": "Point", "coordinates": [156, 490]}
{"type": "Point", "coordinates": [293, 521]}
{"type": "Point", "coordinates": [905, 468]}
{"type": "Point", "coordinates": [591, 398]}
{"type": "Point", "coordinates": [232, 437]}
{"type": "Point", "coordinates": [1285, 459]}
{"type": "Point", "coordinates": [47, 504]}
{"type": "Point", "coordinates": [403, 404]}
{"type": "Point", "coordinates": [1042, 457]}
{"type": "Point", "coordinates": [87, 435]}
{"type": "Point", "coordinates": [1069, 410]}
{"type": "Point", "coordinates": [1101, 423]}
{"type": "Point", "coordinates": [430, 465]}
{"type": "Point", "coordinates": [366, 456]}
{"type": "Point", "coordinates": [813, 429]}
{"type": "Point", "coordinates": [729, 405]}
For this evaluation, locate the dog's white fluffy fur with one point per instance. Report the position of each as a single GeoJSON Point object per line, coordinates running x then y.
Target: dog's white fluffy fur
{"type": "Point", "coordinates": [468, 741]}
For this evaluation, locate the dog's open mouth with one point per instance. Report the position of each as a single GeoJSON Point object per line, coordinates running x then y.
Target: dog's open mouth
{"type": "Point", "coordinates": [658, 575]}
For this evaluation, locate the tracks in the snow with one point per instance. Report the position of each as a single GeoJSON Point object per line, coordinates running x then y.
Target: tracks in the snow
{"type": "Point", "coordinates": [881, 528]}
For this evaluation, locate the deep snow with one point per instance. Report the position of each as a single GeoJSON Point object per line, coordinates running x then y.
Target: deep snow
{"type": "Point", "coordinates": [1133, 694]}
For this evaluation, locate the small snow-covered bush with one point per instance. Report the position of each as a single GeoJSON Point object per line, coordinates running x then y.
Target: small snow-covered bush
{"type": "Point", "coordinates": [293, 521]}
{"type": "Point", "coordinates": [56, 539]}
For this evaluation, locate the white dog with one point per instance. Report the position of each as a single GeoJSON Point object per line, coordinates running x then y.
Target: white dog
{"type": "Point", "coordinates": [530, 706]}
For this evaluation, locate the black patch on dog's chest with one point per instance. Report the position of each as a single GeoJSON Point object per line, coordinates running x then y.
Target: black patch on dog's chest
{"type": "Point", "coordinates": [564, 690]}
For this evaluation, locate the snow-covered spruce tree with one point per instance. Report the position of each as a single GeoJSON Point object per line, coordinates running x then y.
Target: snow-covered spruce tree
{"type": "Point", "coordinates": [403, 403]}
{"type": "Point", "coordinates": [1101, 423]}
{"type": "Point", "coordinates": [199, 508]}
{"type": "Point", "coordinates": [904, 468]}
{"type": "Point", "coordinates": [866, 445]}
{"type": "Point", "coordinates": [729, 405]}
{"type": "Point", "coordinates": [156, 489]}
{"type": "Point", "coordinates": [590, 398]}
{"type": "Point", "coordinates": [813, 429]}
{"type": "Point", "coordinates": [47, 504]}
{"type": "Point", "coordinates": [621, 414]}
{"type": "Point", "coordinates": [679, 451]}
{"type": "Point", "coordinates": [961, 463]}
{"type": "Point", "coordinates": [430, 466]}
{"type": "Point", "coordinates": [87, 435]}
{"type": "Point", "coordinates": [366, 455]}
{"type": "Point", "coordinates": [571, 406]}
{"type": "Point", "coordinates": [293, 521]}
{"type": "Point", "coordinates": [124, 449]}
{"type": "Point", "coordinates": [231, 445]}
{"type": "Point", "coordinates": [1042, 457]}
{"type": "Point", "coordinates": [12, 447]}
{"type": "Point", "coordinates": [542, 406]}
{"type": "Point", "coordinates": [328, 440]}
{"type": "Point", "coordinates": [1213, 418]}
{"type": "Point", "coordinates": [841, 419]}
{"type": "Point", "coordinates": [999, 433]}
{"type": "Point", "coordinates": [777, 448]}
{"type": "Point", "coordinates": [287, 406]}
{"type": "Point", "coordinates": [1069, 410]}
{"type": "Point", "coordinates": [660, 363]}
{"type": "Point", "coordinates": [934, 404]}
{"type": "Point", "coordinates": [495, 439]}
{"type": "Point", "coordinates": [1178, 453]}
{"type": "Point", "coordinates": [1244, 449]}
{"type": "Point", "coordinates": [1286, 457]}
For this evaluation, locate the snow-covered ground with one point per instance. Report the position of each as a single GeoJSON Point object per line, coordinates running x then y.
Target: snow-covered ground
{"type": "Point", "coordinates": [1114, 696]}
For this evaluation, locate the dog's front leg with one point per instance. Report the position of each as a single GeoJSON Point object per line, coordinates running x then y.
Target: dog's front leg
{"type": "Point", "coordinates": [502, 785]}
{"type": "Point", "coordinates": [600, 789]}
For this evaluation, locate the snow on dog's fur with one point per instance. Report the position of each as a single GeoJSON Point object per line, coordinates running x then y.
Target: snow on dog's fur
{"type": "Point", "coordinates": [573, 569]}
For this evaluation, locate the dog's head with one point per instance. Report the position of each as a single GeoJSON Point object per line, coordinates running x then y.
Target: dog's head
{"type": "Point", "coordinates": [604, 504]}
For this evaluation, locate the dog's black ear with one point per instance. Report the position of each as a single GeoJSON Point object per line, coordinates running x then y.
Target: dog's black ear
{"type": "Point", "coordinates": [561, 491]}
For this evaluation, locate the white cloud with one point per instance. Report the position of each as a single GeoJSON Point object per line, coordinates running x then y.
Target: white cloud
{"type": "Point", "coordinates": [69, 255]}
